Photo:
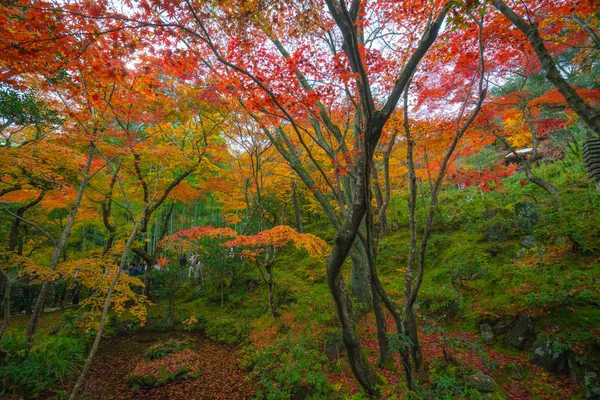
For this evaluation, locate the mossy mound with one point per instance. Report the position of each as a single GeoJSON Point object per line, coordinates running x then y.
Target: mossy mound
{"type": "Point", "coordinates": [158, 372]}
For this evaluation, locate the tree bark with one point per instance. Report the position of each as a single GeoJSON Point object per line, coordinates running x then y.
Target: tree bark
{"type": "Point", "coordinates": [60, 246]}
{"type": "Point", "coordinates": [6, 302]}
{"type": "Point", "coordinates": [297, 213]}
{"type": "Point", "coordinates": [14, 230]}
{"type": "Point", "coordinates": [271, 290]}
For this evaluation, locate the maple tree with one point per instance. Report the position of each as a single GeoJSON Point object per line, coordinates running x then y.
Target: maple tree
{"type": "Point", "coordinates": [117, 120]}
{"type": "Point", "coordinates": [262, 248]}
{"type": "Point", "coordinates": [529, 28]}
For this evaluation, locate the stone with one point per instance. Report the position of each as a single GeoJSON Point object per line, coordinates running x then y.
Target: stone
{"type": "Point", "coordinates": [334, 347]}
{"type": "Point", "coordinates": [521, 334]}
{"type": "Point", "coordinates": [452, 309]}
{"type": "Point", "coordinates": [591, 384]}
{"type": "Point", "coordinates": [500, 328]}
{"type": "Point", "coordinates": [487, 332]}
{"type": "Point", "coordinates": [548, 356]}
{"type": "Point", "coordinates": [520, 255]}
{"type": "Point", "coordinates": [526, 216]}
{"type": "Point", "coordinates": [482, 382]}
{"type": "Point", "coordinates": [495, 234]}
{"type": "Point", "coordinates": [529, 241]}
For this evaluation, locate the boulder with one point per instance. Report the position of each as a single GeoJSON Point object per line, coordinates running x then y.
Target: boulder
{"type": "Point", "coordinates": [482, 382]}
{"type": "Point", "coordinates": [495, 234]}
{"type": "Point", "coordinates": [334, 347]}
{"type": "Point", "coordinates": [452, 309]}
{"type": "Point", "coordinates": [548, 356]}
{"type": "Point", "coordinates": [500, 328]}
{"type": "Point", "coordinates": [526, 216]}
{"type": "Point", "coordinates": [521, 334]}
{"type": "Point", "coordinates": [529, 241]}
{"type": "Point", "coordinates": [591, 384]}
{"type": "Point", "coordinates": [487, 333]}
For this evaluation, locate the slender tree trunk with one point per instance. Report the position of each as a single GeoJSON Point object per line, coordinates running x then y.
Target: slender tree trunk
{"type": "Point", "coordinates": [531, 177]}
{"type": "Point", "coordinates": [170, 318]}
{"type": "Point", "coordinates": [360, 279]}
{"type": "Point", "coordinates": [222, 292]}
{"type": "Point", "coordinates": [60, 246]}
{"type": "Point", "coordinates": [400, 327]}
{"type": "Point", "coordinates": [385, 357]}
{"type": "Point", "coordinates": [271, 290]}
{"type": "Point", "coordinates": [6, 302]}
{"type": "Point", "coordinates": [13, 237]}
{"type": "Point", "coordinates": [105, 308]}
{"type": "Point", "coordinates": [297, 213]}
{"type": "Point", "coordinates": [380, 202]}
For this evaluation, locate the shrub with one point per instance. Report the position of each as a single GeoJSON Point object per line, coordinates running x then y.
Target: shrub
{"type": "Point", "coordinates": [162, 349]}
{"type": "Point", "coordinates": [159, 372]}
{"type": "Point", "coordinates": [291, 369]}
{"type": "Point", "coordinates": [51, 360]}
{"type": "Point", "coordinates": [227, 329]}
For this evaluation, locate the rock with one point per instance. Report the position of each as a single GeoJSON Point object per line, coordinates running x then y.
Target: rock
{"type": "Point", "coordinates": [452, 309]}
{"type": "Point", "coordinates": [334, 347]}
{"type": "Point", "coordinates": [486, 331]}
{"type": "Point", "coordinates": [482, 382]}
{"type": "Point", "coordinates": [496, 231]}
{"type": "Point", "coordinates": [495, 234]}
{"type": "Point", "coordinates": [591, 384]}
{"type": "Point", "coordinates": [500, 328]}
{"type": "Point", "coordinates": [546, 355]}
{"type": "Point", "coordinates": [525, 216]}
{"type": "Point", "coordinates": [521, 334]}
{"type": "Point", "coordinates": [529, 241]}
{"type": "Point", "coordinates": [520, 255]}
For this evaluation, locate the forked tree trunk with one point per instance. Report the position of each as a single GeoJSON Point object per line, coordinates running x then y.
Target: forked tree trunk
{"type": "Point", "coordinates": [343, 242]}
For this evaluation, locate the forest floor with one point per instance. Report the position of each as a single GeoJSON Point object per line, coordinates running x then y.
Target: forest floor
{"type": "Point", "coordinates": [220, 377]}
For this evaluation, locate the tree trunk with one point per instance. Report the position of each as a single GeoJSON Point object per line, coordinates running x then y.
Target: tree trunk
{"type": "Point", "coordinates": [6, 302]}
{"type": "Point", "coordinates": [385, 358]}
{"type": "Point", "coordinates": [105, 308]}
{"type": "Point", "coordinates": [222, 292]}
{"type": "Point", "coordinates": [13, 237]}
{"type": "Point", "coordinates": [271, 290]}
{"type": "Point", "coordinates": [343, 242]}
{"type": "Point", "coordinates": [297, 213]}
{"type": "Point", "coordinates": [59, 247]}
{"type": "Point", "coordinates": [360, 279]}
{"type": "Point", "coordinates": [586, 112]}
{"type": "Point", "coordinates": [380, 202]}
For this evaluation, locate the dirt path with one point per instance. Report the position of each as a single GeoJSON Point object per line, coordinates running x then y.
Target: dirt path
{"type": "Point", "coordinates": [220, 377]}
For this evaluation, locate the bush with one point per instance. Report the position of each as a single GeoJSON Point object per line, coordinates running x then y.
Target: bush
{"type": "Point", "coordinates": [162, 349]}
{"type": "Point", "coordinates": [291, 369]}
{"type": "Point", "coordinates": [449, 382]}
{"type": "Point", "coordinates": [227, 329]}
{"type": "Point", "coordinates": [50, 361]}
{"type": "Point", "coordinates": [159, 372]}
